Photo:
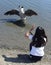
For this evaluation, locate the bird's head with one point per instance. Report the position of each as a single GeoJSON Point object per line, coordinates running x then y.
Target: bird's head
{"type": "Point", "coordinates": [22, 7]}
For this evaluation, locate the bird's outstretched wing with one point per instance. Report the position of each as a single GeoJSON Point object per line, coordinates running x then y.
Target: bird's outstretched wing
{"type": "Point", "coordinates": [12, 12]}
{"type": "Point", "coordinates": [30, 12]}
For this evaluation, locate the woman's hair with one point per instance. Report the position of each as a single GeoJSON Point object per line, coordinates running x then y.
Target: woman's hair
{"type": "Point", "coordinates": [40, 38]}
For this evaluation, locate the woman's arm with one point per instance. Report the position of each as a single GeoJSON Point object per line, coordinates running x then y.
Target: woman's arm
{"type": "Point", "coordinates": [28, 33]}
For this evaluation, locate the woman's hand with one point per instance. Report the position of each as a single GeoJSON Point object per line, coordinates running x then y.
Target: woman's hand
{"type": "Point", "coordinates": [27, 34]}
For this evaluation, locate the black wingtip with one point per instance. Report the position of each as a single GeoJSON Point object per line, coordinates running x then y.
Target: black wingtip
{"type": "Point", "coordinates": [5, 13]}
{"type": "Point", "coordinates": [35, 13]}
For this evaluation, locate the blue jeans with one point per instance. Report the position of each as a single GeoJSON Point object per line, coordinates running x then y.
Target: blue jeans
{"type": "Point", "coordinates": [35, 58]}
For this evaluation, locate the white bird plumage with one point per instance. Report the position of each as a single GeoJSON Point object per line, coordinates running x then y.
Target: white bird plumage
{"type": "Point", "coordinates": [21, 13]}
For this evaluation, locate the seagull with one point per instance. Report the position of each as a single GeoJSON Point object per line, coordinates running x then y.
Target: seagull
{"type": "Point", "coordinates": [21, 12]}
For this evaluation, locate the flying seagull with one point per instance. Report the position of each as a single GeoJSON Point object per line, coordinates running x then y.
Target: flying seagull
{"type": "Point", "coordinates": [21, 12]}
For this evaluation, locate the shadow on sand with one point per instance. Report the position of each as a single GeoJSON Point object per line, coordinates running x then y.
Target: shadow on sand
{"type": "Point", "coordinates": [22, 58]}
{"type": "Point", "coordinates": [19, 23]}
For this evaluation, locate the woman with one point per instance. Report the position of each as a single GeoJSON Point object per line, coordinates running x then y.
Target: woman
{"type": "Point", "coordinates": [38, 43]}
